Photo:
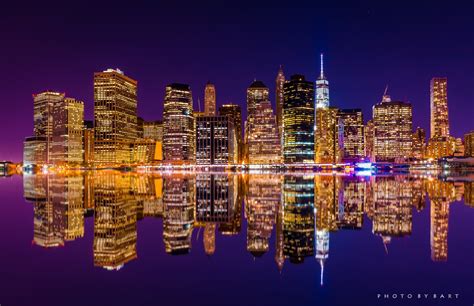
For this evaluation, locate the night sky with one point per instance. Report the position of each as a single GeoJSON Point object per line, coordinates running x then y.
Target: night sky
{"type": "Point", "coordinates": [367, 45]}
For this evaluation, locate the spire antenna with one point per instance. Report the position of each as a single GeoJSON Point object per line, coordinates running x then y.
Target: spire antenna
{"type": "Point", "coordinates": [322, 66]}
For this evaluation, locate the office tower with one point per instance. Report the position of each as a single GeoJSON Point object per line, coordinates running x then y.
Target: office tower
{"type": "Point", "coordinates": [263, 198]}
{"type": "Point", "coordinates": [439, 107]}
{"type": "Point", "coordinates": [298, 120]}
{"type": "Point", "coordinates": [440, 146]}
{"type": "Point", "coordinates": [35, 151]}
{"type": "Point", "coordinates": [458, 147]}
{"type": "Point", "coordinates": [67, 142]}
{"type": "Point", "coordinates": [469, 144]}
{"type": "Point", "coordinates": [322, 88]}
{"type": "Point", "coordinates": [216, 141]}
{"type": "Point", "coordinates": [210, 99]}
{"type": "Point", "coordinates": [235, 113]}
{"type": "Point", "coordinates": [329, 139]}
{"type": "Point", "coordinates": [43, 103]}
{"type": "Point", "coordinates": [392, 130]}
{"type": "Point", "coordinates": [115, 117]}
{"type": "Point", "coordinates": [256, 93]}
{"type": "Point", "coordinates": [115, 221]}
{"type": "Point", "coordinates": [88, 141]}
{"type": "Point", "coordinates": [262, 136]}
{"type": "Point", "coordinates": [298, 217]}
{"type": "Point", "coordinates": [279, 83]}
{"type": "Point", "coordinates": [178, 125]}
{"type": "Point", "coordinates": [143, 151]}
{"type": "Point", "coordinates": [153, 130]}
{"type": "Point", "coordinates": [369, 133]}
{"type": "Point", "coordinates": [179, 196]}
{"type": "Point", "coordinates": [419, 143]}
{"type": "Point", "coordinates": [353, 123]}
{"type": "Point", "coordinates": [140, 124]}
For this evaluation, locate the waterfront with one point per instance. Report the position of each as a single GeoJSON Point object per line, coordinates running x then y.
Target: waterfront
{"type": "Point", "coordinates": [107, 237]}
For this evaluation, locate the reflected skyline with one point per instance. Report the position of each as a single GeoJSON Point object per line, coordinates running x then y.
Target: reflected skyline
{"type": "Point", "coordinates": [300, 212]}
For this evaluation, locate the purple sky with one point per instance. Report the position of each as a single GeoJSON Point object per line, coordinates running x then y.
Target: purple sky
{"type": "Point", "coordinates": [367, 45]}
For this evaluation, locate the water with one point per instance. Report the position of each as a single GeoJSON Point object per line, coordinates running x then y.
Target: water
{"type": "Point", "coordinates": [110, 238]}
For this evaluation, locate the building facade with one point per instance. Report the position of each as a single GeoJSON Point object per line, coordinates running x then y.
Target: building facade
{"type": "Point", "coordinates": [216, 142]}
{"type": "Point", "coordinates": [329, 138]}
{"type": "Point", "coordinates": [469, 144]}
{"type": "Point", "coordinates": [210, 99]}
{"type": "Point", "coordinates": [298, 120]}
{"type": "Point", "coordinates": [262, 136]}
{"type": "Point", "coordinates": [439, 107]}
{"type": "Point", "coordinates": [392, 130]}
{"type": "Point", "coordinates": [67, 137]}
{"type": "Point", "coordinates": [279, 83]}
{"type": "Point", "coordinates": [235, 113]}
{"type": "Point", "coordinates": [115, 117]}
{"type": "Point", "coordinates": [419, 143]}
{"type": "Point", "coordinates": [353, 124]}
{"type": "Point", "coordinates": [256, 93]}
{"type": "Point", "coordinates": [178, 125]}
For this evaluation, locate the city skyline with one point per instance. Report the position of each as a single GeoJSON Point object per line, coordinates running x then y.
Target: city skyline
{"type": "Point", "coordinates": [357, 76]}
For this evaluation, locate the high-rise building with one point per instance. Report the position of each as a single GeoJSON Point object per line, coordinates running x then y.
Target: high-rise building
{"type": "Point", "coordinates": [67, 136]}
{"type": "Point", "coordinates": [392, 129]}
{"type": "Point", "coordinates": [322, 88]}
{"type": "Point", "coordinates": [440, 146]}
{"type": "Point", "coordinates": [44, 103]}
{"type": "Point", "coordinates": [279, 83]}
{"type": "Point", "coordinates": [210, 99]}
{"type": "Point", "coordinates": [88, 141]}
{"type": "Point", "coordinates": [369, 131]}
{"type": "Point", "coordinates": [262, 136]}
{"type": "Point", "coordinates": [35, 151]}
{"type": "Point", "coordinates": [256, 93]}
{"type": "Point", "coordinates": [353, 124]}
{"type": "Point", "coordinates": [115, 117]}
{"type": "Point", "coordinates": [178, 125]}
{"type": "Point", "coordinates": [329, 139]}
{"type": "Point", "coordinates": [298, 120]}
{"type": "Point", "coordinates": [419, 143]}
{"type": "Point", "coordinates": [439, 107]}
{"type": "Point", "coordinates": [235, 113]}
{"type": "Point", "coordinates": [216, 142]}
{"type": "Point", "coordinates": [469, 144]}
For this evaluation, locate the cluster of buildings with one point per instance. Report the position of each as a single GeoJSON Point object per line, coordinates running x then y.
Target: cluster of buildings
{"type": "Point", "coordinates": [301, 211]}
{"type": "Point", "coordinates": [305, 129]}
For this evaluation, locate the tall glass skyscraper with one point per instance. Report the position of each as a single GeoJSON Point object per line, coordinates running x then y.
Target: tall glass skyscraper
{"type": "Point", "coordinates": [178, 132]}
{"type": "Point", "coordinates": [322, 88]}
{"type": "Point", "coordinates": [210, 99]}
{"type": "Point", "coordinates": [298, 120]}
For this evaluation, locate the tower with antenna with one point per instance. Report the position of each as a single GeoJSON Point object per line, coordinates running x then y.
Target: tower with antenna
{"type": "Point", "coordinates": [322, 88]}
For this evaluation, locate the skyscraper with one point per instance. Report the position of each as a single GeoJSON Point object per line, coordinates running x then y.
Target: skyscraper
{"type": "Point", "coordinates": [329, 139]}
{"type": "Point", "coordinates": [210, 99]}
{"type": "Point", "coordinates": [279, 83]}
{"type": "Point", "coordinates": [235, 113]}
{"type": "Point", "coordinates": [153, 130]}
{"type": "Point", "coordinates": [262, 136]}
{"type": "Point", "coordinates": [44, 103]}
{"type": "Point", "coordinates": [369, 140]}
{"type": "Point", "coordinates": [439, 107]}
{"type": "Point", "coordinates": [322, 88]}
{"type": "Point", "coordinates": [178, 122]}
{"type": "Point", "coordinates": [298, 120]}
{"type": "Point", "coordinates": [419, 143]}
{"type": "Point", "coordinates": [115, 116]}
{"type": "Point", "coordinates": [67, 137]}
{"type": "Point", "coordinates": [469, 144]}
{"type": "Point", "coordinates": [88, 141]}
{"type": "Point", "coordinates": [392, 129]}
{"type": "Point", "coordinates": [216, 142]}
{"type": "Point", "coordinates": [353, 124]}
{"type": "Point", "coordinates": [256, 93]}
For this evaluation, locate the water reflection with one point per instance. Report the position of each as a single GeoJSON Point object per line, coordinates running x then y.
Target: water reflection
{"type": "Point", "coordinates": [302, 211]}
